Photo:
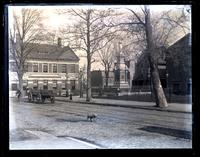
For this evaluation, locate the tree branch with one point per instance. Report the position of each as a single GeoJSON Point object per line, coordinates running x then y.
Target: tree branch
{"type": "Point", "coordinates": [140, 21]}
{"type": "Point", "coordinates": [78, 14]}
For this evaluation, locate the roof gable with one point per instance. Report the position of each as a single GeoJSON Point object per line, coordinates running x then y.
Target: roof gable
{"type": "Point", "coordinates": [185, 40]}
{"type": "Point", "coordinates": [52, 52]}
{"type": "Point", "coordinates": [68, 53]}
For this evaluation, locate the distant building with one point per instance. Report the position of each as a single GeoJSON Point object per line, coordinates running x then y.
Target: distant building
{"type": "Point", "coordinates": [98, 79]}
{"type": "Point", "coordinates": [141, 79]}
{"type": "Point", "coordinates": [118, 78]}
{"type": "Point", "coordinates": [179, 66]}
{"type": "Point", "coordinates": [48, 67]}
{"type": "Point", "coordinates": [174, 67]}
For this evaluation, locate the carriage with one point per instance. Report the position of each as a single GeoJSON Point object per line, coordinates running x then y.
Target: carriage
{"type": "Point", "coordinates": [41, 95]}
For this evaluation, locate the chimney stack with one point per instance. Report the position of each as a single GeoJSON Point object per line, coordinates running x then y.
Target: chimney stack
{"type": "Point", "coordinates": [59, 42]}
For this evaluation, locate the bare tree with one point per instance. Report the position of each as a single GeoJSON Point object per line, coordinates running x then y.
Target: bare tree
{"type": "Point", "coordinates": [50, 38]}
{"type": "Point", "coordinates": [26, 31]}
{"type": "Point", "coordinates": [82, 80]}
{"type": "Point", "coordinates": [87, 33]}
{"type": "Point", "coordinates": [107, 56]}
{"type": "Point", "coordinates": [156, 35]}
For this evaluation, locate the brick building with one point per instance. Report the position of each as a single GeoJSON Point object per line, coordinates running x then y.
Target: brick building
{"type": "Point", "coordinates": [48, 67]}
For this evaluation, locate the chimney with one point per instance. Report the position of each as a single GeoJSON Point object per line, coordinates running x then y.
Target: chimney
{"type": "Point", "coordinates": [59, 42]}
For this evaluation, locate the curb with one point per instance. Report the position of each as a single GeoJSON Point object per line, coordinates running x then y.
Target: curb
{"type": "Point", "coordinates": [127, 106]}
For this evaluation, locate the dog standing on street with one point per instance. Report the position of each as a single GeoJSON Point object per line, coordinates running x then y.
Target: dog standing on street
{"type": "Point", "coordinates": [91, 117]}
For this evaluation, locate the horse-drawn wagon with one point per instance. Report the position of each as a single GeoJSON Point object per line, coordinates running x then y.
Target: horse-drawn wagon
{"type": "Point", "coordinates": [41, 95]}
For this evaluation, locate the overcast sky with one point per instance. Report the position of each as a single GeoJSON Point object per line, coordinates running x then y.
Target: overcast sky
{"type": "Point", "coordinates": [53, 21]}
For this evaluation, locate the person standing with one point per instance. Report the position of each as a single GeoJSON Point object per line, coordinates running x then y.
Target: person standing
{"type": "Point", "coordinates": [18, 93]}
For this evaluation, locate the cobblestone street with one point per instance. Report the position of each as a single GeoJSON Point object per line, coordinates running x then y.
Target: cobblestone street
{"type": "Point", "coordinates": [114, 127]}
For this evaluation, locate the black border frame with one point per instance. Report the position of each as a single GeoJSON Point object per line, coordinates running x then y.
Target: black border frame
{"type": "Point", "coordinates": [4, 110]}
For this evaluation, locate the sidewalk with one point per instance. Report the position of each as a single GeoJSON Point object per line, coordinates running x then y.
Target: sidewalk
{"type": "Point", "coordinates": [173, 107]}
{"type": "Point", "coordinates": [48, 141]}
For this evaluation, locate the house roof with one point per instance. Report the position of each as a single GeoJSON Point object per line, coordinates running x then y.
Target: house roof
{"type": "Point", "coordinates": [52, 52]}
{"type": "Point", "coordinates": [186, 38]}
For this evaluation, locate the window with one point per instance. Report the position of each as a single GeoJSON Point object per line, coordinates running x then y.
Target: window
{"type": "Point", "coordinates": [45, 82]}
{"type": "Point", "coordinates": [35, 67]}
{"type": "Point", "coordinates": [14, 87]}
{"type": "Point", "coordinates": [45, 68]}
{"type": "Point", "coordinates": [54, 68]}
{"type": "Point", "coordinates": [45, 87]}
{"type": "Point", "coordinates": [54, 85]}
{"type": "Point", "coordinates": [72, 68]}
{"type": "Point", "coordinates": [64, 69]}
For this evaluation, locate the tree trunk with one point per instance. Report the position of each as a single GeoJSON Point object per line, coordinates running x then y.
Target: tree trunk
{"type": "Point", "coordinates": [106, 81]}
{"type": "Point", "coordinates": [88, 98]}
{"type": "Point", "coordinates": [81, 85]}
{"type": "Point", "coordinates": [157, 87]}
{"type": "Point", "coordinates": [88, 91]}
{"type": "Point", "coordinates": [20, 79]}
{"type": "Point", "coordinates": [107, 76]}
